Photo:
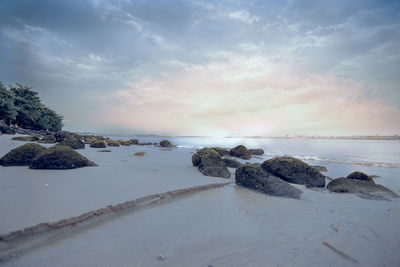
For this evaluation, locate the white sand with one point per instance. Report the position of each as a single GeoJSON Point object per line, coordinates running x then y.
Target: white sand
{"type": "Point", "coordinates": [229, 226]}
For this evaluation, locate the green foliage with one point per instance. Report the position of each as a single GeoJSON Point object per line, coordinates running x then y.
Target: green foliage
{"type": "Point", "coordinates": [20, 105]}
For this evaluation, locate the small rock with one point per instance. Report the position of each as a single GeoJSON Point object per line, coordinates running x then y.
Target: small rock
{"type": "Point", "coordinates": [113, 143]}
{"type": "Point", "coordinates": [256, 152]}
{"type": "Point", "coordinates": [98, 144]}
{"type": "Point", "coordinates": [165, 143]}
{"type": "Point", "coordinates": [240, 152]}
{"type": "Point", "coordinates": [360, 176]}
{"type": "Point", "coordinates": [26, 138]}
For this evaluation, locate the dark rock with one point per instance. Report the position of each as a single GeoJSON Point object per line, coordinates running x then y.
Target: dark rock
{"type": "Point", "coordinates": [26, 138]}
{"type": "Point", "coordinates": [72, 142]}
{"type": "Point", "coordinates": [61, 135]}
{"type": "Point", "coordinates": [362, 188]}
{"type": "Point", "coordinates": [256, 152]}
{"type": "Point", "coordinates": [48, 139]}
{"type": "Point", "coordinates": [210, 163]}
{"type": "Point", "coordinates": [104, 150]}
{"type": "Point", "coordinates": [113, 143]}
{"type": "Point", "coordinates": [98, 144]}
{"type": "Point", "coordinates": [232, 163]}
{"type": "Point", "coordinates": [60, 157]}
{"type": "Point", "coordinates": [294, 171]}
{"type": "Point", "coordinates": [165, 143]}
{"type": "Point", "coordinates": [254, 177]}
{"type": "Point", "coordinates": [221, 151]}
{"type": "Point", "coordinates": [145, 144]}
{"type": "Point", "coordinates": [125, 143]}
{"type": "Point", "coordinates": [5, 129]}
{"type": "Point", "coordinates": [359, 176]}
{"type": "Point", "coordinates": [240, 152]}
{"type": "Point", "coordinates": [22, 155]}
{"type": "Point", "coordinates": [133, 141]}
{"type": "Point", "coordinates": [320, 168]}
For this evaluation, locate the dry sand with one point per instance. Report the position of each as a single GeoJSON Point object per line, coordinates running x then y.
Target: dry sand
{"type": "Point", "coordinates": [228, 226]}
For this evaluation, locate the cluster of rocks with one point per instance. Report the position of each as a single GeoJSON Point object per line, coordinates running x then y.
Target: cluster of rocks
{"type": "Point", "coordinates": [39, 157]}
{"type": "Point", "coordinates": [275, 176]}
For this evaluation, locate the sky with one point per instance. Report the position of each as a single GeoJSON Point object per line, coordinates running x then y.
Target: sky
{"type": "Point", "coordinates": [193, 67]}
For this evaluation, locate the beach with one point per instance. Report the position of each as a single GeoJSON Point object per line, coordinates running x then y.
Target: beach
{"type": "Point", "coordinates": [225, 225]}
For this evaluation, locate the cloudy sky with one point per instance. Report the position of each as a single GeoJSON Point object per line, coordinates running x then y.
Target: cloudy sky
{"type": "Point", "coordinates": [209, 67]}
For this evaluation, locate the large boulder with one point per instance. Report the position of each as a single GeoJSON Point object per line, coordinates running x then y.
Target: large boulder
{"type": "Point", "coordinates": [360, 176]}
{"type": "Point", "coordinates": [221, 151]}
{"type": "Point", "coordinates": [210, 163]}
{"type": "Point", "coordinates": [48, 139]}
{"type": "Point", "coordinates": [72, 142]}
{"type": "Point", "coordinates": [362, 188]}
{"type": "Point", "coordinates": [240, 152]}
{"type": "Point", "coordinates": [98, 144]}
{"type": "Point", "coordinates": [60, 157]}
{"type": "Point", "coordinates": [22, 155]}
{"type": "Point", "coordinates": [294, 171]}
{"type": "Point", "coordinates": [5, 129]}
{"type": "Point", "coordinates": [231, 163]}
{"type": "Point", "coordinates": [254, 177]}
{"type": "Point", "coordinates": [256, 152]}
{"type": "Point", "coordinates": [26, 138]}
{"type": "Point", "coordinates": [165, 143]}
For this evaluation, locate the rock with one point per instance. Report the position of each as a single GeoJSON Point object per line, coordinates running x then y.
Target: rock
{"type": "Point", "coordinates": [104, 150]}
{"type": "Point", "coordinates": [22, 155]}
{"type": "Point", "coordinates": [98, 144]}
{"type": "Point", "coordinates": [26, 138]}
{"type": "Point", "coordinates": [133, 141]}
{"type": "Point", "coordinates": [5, 129]}
{"type": "Point", "coordinates": [362, 188]}
{"type": "Point", "coordinates": [256, 152]}
{"type": "Point", "coordinates": [72, 142]}
{"type": "Point", "coordinates": [125, 143]}
{"type": "Point", "coordinates": [232, 163]}
{"type": "Point", "coordinates": [60, 157]}
{"type": "Point", "coordinates": [61, 135]}
{"type": "Point", "coordinates": [254, 177]}
{"type": "Point", "coordinates": [48, 139]}
{"type": "Point", "coordinates": [166, 143]}
{"type": "Point", "coordinates": [139, 154]}
{"type": "Point", "coordinates": [113, 143]}
{"type": "Point", "coordinates": [240, 152]}
{"type": "Point", "coordinates": [145, 144]}
{"type": "Point", "coordinates": [210, 163]}
{"type": "Point", "coordinates": [221, 151]}
{"type": "Point", "coordinates": [360, 176]}
{"type": "Point", "coordinates": [294, 171]}
{"type": "Point", "coordinates": [320, 168]}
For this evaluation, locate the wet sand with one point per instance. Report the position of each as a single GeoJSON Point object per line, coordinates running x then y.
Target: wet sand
{"type": "Point", "coordinates": [227, 226]}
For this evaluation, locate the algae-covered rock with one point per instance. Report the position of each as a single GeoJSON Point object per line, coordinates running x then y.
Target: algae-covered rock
{"type": "Point", "coordinates": [222, 151]}
{"type": "Point", "coordinates": [165, 143]}
{"type": "Point", "coordinates": [294, 171]}
{"type": "Point", "coordinates": [360, 176]}
{"type": "Point", "coordinates": [232, 163]}
{"type": "Point", "coordinates": [240, 152]}
{"type": "Point", "coordinates": [210, 163]}
{"type": "Point", "coordinates": [60, 157]}
{"type": "Point", "coordinates": [362, 188]}
{"type": "Point", "coordinates": [48, 139]}
{"type": "Point", "coordinates": [256, 152]}
{"type": "Point", "coordinates": [22, 155]}
{"type": "Point", "coordinates": [72, 142]}
{"type": "Point", "coordinates": [98, 144]}
{"type": "Point", "coordinates": [26, 138]}
{"type": "Point", "coordinates": [254, 177]}
{"type": "Point", "coordinates": [113, 143]}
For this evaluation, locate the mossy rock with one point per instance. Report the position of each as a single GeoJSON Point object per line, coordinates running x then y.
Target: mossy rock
{"type": "Point", "coordinates": [295, 171]}
{"type": "Point", "coordinates": [165, 143]}
{"type": "Point", "coordinates": [48, 139]}
{"type": "Point", "coordinates": [210, 163]}
{"type": "Point", "coordinates": [360, 176]}
{"type": "Point", "coordinates": [72, 142]}
{"type": "Point", "coordinates": [113, 143]}
{"type": "Point", "coordinates": [240, 152]}
{"type": "Point", "coordinates": [252, 176]}
{"type": "Point", "coordinates": [26, 138]}
{"type": "Point", "coordinates": [221, 151]}
{"type": "Point", "coordinates": [22, 155]}
{"type": "Point", "coordinates": [256, 152]}
{"type": "Point", "coordinates": [125, 143]}
{"type": "Point", "coordinates": [98, 144]}
{"type": "Point", "coordinates": [60, 157]}
{"type": "Point", "coordinates": [61, 135]}
{"type": "Point", "coordinates": [232, 163]}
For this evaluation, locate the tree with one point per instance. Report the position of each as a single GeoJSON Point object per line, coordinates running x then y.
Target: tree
{"type": "Point", "coordinates": [20, 105]}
